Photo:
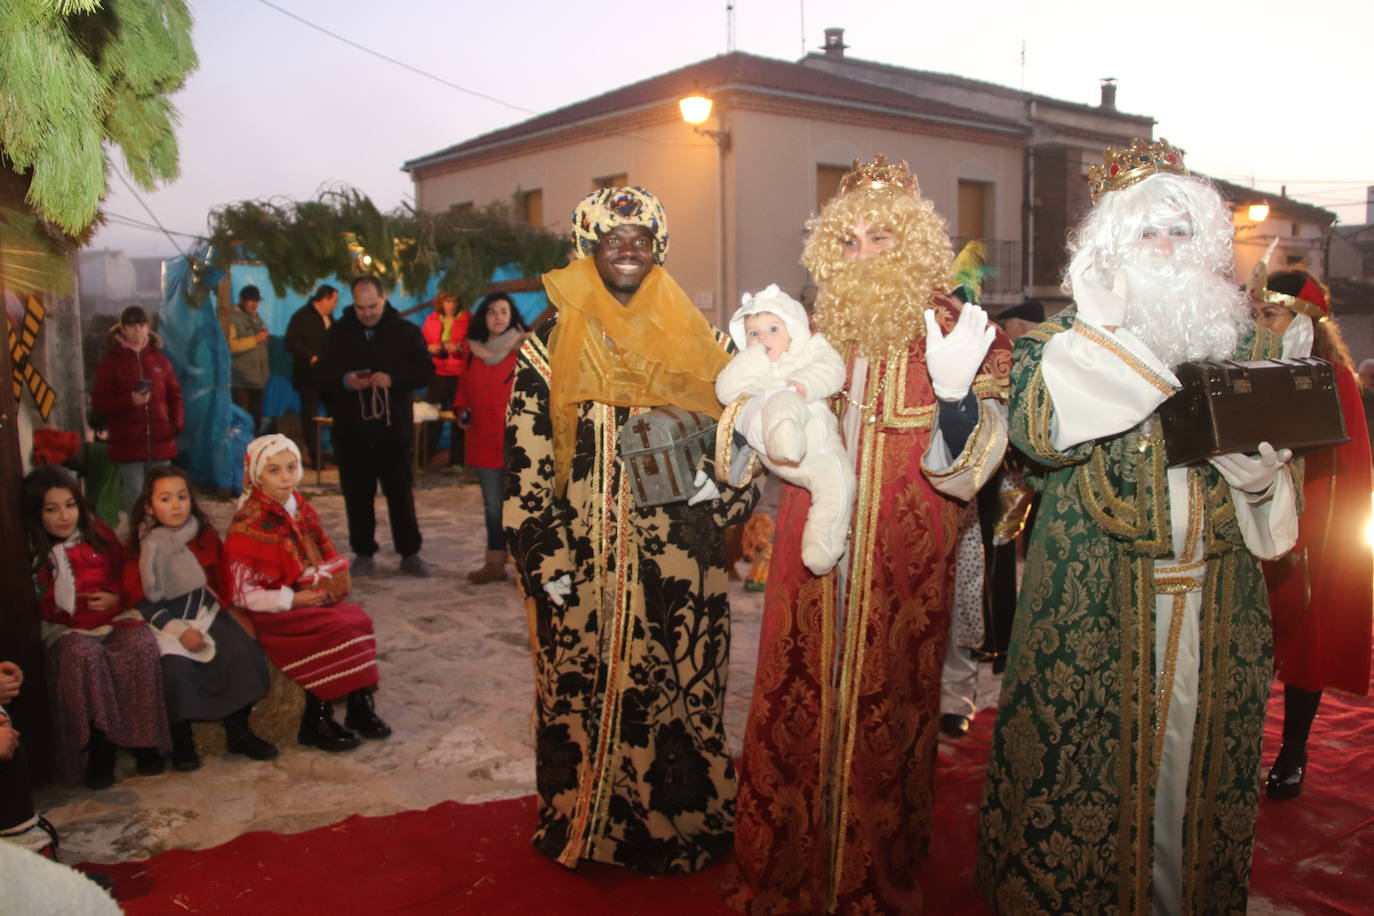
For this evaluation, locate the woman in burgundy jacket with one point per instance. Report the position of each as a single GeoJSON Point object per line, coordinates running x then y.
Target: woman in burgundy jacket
{"type": "Point", "coordinates": [136, 391]}
{"type": "Point", "coordinates": [494, 338]}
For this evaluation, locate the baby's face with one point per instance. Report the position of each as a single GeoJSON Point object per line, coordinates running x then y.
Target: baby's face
{"type": "Point", "coordinates": [767, 329]}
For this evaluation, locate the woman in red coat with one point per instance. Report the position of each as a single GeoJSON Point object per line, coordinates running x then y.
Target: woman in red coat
{"type": "Point", "coordinates": [1321, 595]}
{"type": "Point", "coordinates": [136, 391]}
{"type": "Point", "coordinates": [445, 331]}
{"type": "Point", "coordinates": [494, 337]}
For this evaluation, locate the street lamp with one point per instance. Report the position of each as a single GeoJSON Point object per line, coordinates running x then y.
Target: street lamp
{"type": "Point", "coordinates": [1258, 213]}
{"type": "Point", "coordinates": [696, 108]}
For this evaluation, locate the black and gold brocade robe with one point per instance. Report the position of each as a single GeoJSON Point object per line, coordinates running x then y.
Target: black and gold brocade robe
{"type": "Point", "coordinates": [1067, 817]}
{"type": "Point", "coordinates": [632, 765]}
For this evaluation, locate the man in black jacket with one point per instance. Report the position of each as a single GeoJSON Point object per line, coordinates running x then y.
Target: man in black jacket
{"type": "Point", "coordinates": [307, 340]}
{"type": "Point", "coordinates": [379, 358]}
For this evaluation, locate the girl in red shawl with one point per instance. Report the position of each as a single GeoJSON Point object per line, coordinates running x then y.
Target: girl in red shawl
{"type": "Point", "coordinates": [1321, 595]}
{"type": "Point", "coordinates": [102, 659]}
{"type": "Point", "coordinates": [282, 568]}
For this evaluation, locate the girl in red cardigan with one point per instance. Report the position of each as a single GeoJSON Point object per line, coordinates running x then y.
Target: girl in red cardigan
{"type": "Point", "coordinates": [102, 659]}
{"type": "Point", "coordinates": [494, 338]}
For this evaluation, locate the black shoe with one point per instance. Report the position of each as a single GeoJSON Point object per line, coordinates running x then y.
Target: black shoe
{"type": "Point", "coordinates": [239, 738]}
{"type": "Point", "coordinates": [955, 726]}
{"type": "Point", "coordinates": [318, 728]}
{"type": "Point", "coordinates": [1285, 779]}
{"type": "Point", "coordinates": [184, 756]}
{"type": "Point", "coordinates": [147, 761]}
{"type": "Point", "coordinates": [100, 762]}
{"type": "Point", "coordinates": [362, 716]}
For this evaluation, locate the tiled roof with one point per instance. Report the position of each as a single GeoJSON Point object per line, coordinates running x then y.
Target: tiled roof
{"type": "Point", "coordinates": [951, 79]}
{"type": "Point", "coordinates": [1278, 204]}
{"type": "Point", "coordinates": [735, 70]}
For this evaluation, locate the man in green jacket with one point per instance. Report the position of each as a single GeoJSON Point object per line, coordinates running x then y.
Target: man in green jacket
{"type": "Point", "coordinates": [248, 351]}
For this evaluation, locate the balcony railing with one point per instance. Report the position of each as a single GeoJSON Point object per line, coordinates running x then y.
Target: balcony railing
{"type": "Point", "coordinates": [1005, 258]}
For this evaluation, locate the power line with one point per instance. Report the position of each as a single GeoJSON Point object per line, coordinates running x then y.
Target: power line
{"type": "Point", "coordinates": [413, 69]}
{"type": "Point", "coordinates": [452, 85]}
{"type": "Point", "coordinates": [121, 220]}
{"type": "Point", "coordinates": [149, 210]}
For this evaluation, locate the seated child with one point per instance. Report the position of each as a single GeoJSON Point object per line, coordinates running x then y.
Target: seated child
{"type": "Point", "coordinates": [212, 670]}
{"type": "Point", "coordinates": [790, 372]}
{"type": "Point", "coordinates": [104, 680]}
{"type": "Point", "coordinates": [280, 565]}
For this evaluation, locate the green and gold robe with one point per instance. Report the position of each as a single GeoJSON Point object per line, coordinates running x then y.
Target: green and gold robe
{"type": "Point", "coordinates": [1069, 806]}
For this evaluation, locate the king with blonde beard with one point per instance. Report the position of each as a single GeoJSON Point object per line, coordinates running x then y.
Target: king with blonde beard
{"type": "Point", "coordinates": [836, 781]}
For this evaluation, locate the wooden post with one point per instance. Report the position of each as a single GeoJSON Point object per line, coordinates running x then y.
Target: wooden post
{"type": "Point", "coordinates": [20, 641]}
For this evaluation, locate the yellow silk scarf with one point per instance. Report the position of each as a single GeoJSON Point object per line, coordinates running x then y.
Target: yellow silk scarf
{"type": "Point", "coordinates": [656, 350]}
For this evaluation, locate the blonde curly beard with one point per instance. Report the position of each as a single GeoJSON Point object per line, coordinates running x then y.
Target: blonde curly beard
{"type": "Point", "coordinates": [877, 303]}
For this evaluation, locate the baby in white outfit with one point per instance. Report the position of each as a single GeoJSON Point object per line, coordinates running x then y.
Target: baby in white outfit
{"type": "Point", "coordinates": [790, 373]}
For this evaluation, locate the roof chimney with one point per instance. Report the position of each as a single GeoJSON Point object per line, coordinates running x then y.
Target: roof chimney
{"type": "Point", "coordinates": [1109, 93]}
{"type": "Point", "coordinates": [834, 43]}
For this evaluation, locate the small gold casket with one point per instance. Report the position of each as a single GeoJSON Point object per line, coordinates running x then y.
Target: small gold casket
{"type": "Point", "coordinates": [663, 450]}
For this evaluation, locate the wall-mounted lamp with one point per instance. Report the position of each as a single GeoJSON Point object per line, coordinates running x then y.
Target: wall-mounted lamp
{"type": "Point", "coordinates": [696, 108]}
{"type": "Point", "coordinates": [1258, 213]}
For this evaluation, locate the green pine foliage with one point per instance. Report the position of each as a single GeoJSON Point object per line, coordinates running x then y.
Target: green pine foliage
{"type": "Point", "coordinates": [342, 233]}
{"type": "Point", "coordinates": [79, 73]}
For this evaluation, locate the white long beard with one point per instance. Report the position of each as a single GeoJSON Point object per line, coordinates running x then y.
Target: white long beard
{"type": "Point", "coordinates": [1181, 309]}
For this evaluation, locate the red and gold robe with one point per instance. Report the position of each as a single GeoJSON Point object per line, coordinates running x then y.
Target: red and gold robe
{"type": "Point", "coordinates": [836, 781]}
{"type": "Point", "coordinates": [1322, 594]}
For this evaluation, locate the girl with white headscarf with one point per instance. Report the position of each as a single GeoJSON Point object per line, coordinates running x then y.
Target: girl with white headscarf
{"type": "Point", "coordinates": [281, 566]}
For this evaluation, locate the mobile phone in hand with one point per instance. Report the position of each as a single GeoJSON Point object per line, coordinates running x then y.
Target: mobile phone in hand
{"type": "Point", "coordinates": [143, 385]}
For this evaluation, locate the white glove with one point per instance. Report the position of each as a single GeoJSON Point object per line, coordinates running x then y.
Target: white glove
{"type": "Point", "coordinates": [559, 589]}
{"type": "Point", "coordinates": [706, 488]}
{"type": "Point", "coordinates": [1252, 475]}
{"type": "Point", "coordinates": [953, 359]}
{"type": "Point", "coordinates": [1097, 305]}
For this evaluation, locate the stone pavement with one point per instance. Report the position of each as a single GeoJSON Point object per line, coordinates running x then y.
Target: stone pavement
{"type": "Point", "coordinates": [457, 689]}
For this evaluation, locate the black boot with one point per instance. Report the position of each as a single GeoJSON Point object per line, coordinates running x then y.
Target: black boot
{"type": "Point", "coordinates": [362, 716]}
{"type": "Point", "coordinates": [239, 737]}
{"type": "Point", "coordinates": [1285, 779]}
{"type": "Point", "coordinates": [147, 761]}
{"type": "Point", "coordinates": [100, 761]}
{"type": "Point", "coordinates": [318, 728]}
{"type": "Point", "coordinates": [184, 756]}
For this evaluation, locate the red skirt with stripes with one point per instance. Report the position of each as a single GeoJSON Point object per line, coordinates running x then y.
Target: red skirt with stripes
{"type": "Point", "coordinates": [330, 651]}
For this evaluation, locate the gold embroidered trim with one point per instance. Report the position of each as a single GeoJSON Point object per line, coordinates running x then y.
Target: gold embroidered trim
{"type": "Point", "coordinates": [1039, 418]}
{"type": "Point", "coordinates": [725, 445]}
{"type": "Point", "coordinates": [1164, 688]}
{"type": "Point", "coordinates": [1135, 363]}
{"type": "Point", "coordinates": [982, 439]}
{"type": "Point", "coordinates": [536, 353]}
{"type": "Point", "coordinates": [856, 613]}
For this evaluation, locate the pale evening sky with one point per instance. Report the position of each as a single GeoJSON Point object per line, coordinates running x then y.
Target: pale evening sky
{"type": "Point", "coordinates": [1269, 91]}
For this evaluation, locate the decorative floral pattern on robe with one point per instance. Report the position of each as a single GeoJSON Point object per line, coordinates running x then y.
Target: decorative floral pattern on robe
{"type": "Point", "coordinates": [632, 765]}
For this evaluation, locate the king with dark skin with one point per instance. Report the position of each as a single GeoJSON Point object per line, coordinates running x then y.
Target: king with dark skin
{"type": "Point", "coordinates": [624, 257]}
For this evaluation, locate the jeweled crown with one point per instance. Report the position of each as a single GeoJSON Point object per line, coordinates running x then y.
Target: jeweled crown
{"type": "Point", "coordinates": [878, 174]}
{"type": "Point", "coordinates": [1123, 168]}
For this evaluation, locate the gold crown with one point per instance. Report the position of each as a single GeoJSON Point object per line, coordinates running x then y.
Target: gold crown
{"type": "Point", "coordinates": [1123, 168]}
{"type": "Point", "coordinates": [878, 174]}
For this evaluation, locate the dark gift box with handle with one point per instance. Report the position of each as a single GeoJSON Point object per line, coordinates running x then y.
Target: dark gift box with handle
{"type": "Point", "coordinates": [1231, 406]}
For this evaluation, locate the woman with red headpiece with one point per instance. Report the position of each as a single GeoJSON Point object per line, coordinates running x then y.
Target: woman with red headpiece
{"type": "Point", "coordinates": [1321, 595]}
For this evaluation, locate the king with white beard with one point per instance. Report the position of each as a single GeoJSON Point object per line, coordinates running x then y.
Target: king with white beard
{"type": "Point", "coordinates": [1124, 770]}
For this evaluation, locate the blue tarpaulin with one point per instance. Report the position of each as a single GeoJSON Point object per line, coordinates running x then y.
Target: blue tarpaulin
{"type": "Point", "coordinates": [217, 432]}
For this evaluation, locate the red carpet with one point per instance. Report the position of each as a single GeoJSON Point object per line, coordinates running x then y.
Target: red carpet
{"type": "Point", "coordinates": [1313, 855]}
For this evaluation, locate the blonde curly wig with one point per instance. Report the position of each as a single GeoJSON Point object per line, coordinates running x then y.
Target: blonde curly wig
{"type": "Point", "coordinates": [877, 303]}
